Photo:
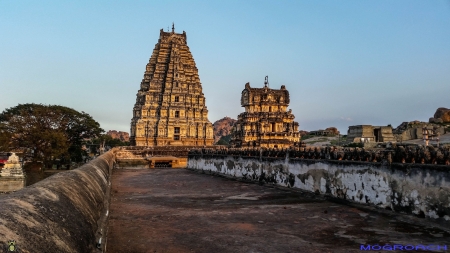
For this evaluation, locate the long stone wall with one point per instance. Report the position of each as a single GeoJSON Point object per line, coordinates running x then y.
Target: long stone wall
{"type": "Point", "coordinates": [63, 213]}
{"type": "Point", "coordinates": [419, 189]}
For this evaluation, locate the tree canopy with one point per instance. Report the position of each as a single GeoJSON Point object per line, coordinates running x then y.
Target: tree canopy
{"type": "Point", "coordinates": [47, 131]}
{"type": "Point", "coordinates": [110, 142]}
{"type": "Point", "coordinates": [224, 140]}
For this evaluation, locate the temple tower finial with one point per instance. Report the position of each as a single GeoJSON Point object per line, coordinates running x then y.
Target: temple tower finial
{"type": "Point", "coordinates": [266, 82]}
{"type": "Point", "coordinates": [173, 27]}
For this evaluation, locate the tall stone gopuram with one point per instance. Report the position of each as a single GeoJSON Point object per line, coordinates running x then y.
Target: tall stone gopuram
{"type": "Point", "coordinates": [170, 107]}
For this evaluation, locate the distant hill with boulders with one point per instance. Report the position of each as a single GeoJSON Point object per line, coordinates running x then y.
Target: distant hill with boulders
{"type": "Point", "coordinates": [222, 128]}
{"type": "Point", "coordinates": [442, 115]}
{"type": "Point", "coordinates": [123, 136]}
{"type": "Point", "coordinates": [303, 132]}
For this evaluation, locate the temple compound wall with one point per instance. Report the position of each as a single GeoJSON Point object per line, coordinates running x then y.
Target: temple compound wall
{"type": "Point", "coordinates": [63, 213]}
{"type": "Point", "coordinates": [170, 107]}
{"type": "Point", "coordinates": [420, 189]}
{"type": "Point", "coordinates": [266, 121]}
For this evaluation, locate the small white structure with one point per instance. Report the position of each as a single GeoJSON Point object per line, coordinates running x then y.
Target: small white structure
{"type": "Point", "coordinates": [12, 177]}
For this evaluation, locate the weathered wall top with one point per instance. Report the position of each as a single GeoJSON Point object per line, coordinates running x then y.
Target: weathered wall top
{"type": "Point", "coordinates": [421, 189]}
{"type": "Point", "coordinates": [396, 154]}
{"type": "Point", "coordinates": [60, 213]}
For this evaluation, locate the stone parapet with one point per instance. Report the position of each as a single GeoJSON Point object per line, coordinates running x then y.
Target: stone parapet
{"type": "Point", "coordinates": [63, 213]}
{"type": "Point", "coordinates": [395, 154]}
{"type": "Point", "coordinates": [420, 189]}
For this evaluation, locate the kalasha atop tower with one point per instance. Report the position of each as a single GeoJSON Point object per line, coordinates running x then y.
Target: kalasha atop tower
{"type": "Point", "coordinates": [170, 107]}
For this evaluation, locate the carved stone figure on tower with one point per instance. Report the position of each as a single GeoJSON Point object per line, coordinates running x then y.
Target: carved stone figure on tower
{"type": "Point", "coordinates": [170, 107]}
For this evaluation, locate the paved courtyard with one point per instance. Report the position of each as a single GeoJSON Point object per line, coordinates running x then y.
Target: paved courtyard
{"type": "Point", "coordinates": [178, 210]}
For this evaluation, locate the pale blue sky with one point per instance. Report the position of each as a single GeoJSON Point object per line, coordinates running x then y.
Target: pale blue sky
{"type": "Point", "coordinates": [343, 62]}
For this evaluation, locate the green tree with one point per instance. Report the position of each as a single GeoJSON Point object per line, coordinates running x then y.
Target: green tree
{"type": "Point", "coordinates": [224, 140]}
{"type": "Point", "coordinates": [109, 141]}
{"type": "Point", "coordinates": [47, 131]}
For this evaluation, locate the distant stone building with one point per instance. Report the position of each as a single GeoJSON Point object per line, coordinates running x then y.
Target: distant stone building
{"type": "Point", "coordinates": [170, 107]}
{"type": "Point", "coordinates": [266, 121]}
{"type": "Point", "coordinates": [369, 133]}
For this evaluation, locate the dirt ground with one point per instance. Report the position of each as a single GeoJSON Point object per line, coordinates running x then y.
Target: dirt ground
{"type": "Point", "coordinates": [178, 210]}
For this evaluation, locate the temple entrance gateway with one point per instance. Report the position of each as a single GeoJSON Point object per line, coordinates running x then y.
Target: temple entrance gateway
{"type": "Point", "coordinates": [163, 165]}
{"type": "Point", "coordinates": [163, 162]}
{"type": "Point", "coordinates": [170, 107]}
{"type": "Point", "coordinates": [376, 133]}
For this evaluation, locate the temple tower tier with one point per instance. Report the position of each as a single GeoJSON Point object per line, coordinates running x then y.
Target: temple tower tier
{"type": "Point", "coordinates": [170, 107]}
{"type": "Point", "coordinates": [266, 121]}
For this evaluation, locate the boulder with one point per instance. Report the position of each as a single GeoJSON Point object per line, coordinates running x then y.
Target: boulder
{"type": "Point", "coordinates": [122, 136]}
{"type": "Point", "coordinates": [443, 113]}
{"type": "Point", "coordinates": [332, 130]}
{"type": "Point", "coordinates": [434, 120]}
{"type": "Point", "coordinates": [303, 132]}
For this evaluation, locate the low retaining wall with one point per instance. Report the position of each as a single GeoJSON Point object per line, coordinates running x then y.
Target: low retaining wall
{"type": "Point", "coordinates": [420, 189]}
{"type": "Point", "coordinates": [60, 213]}
{"type": "Point", "coordinates": [8, 184]}
{"type": "Point", "coordinates": [139, 156]}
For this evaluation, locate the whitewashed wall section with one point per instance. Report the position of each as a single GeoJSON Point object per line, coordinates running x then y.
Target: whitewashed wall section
{"type": "Point", "coordinates": [423, 190]}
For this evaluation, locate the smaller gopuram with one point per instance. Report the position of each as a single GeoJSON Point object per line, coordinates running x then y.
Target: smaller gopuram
{"type": "Point", "coordinates": [266, 121]}
{"type": "Point", "coordinates": [12, 177]}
